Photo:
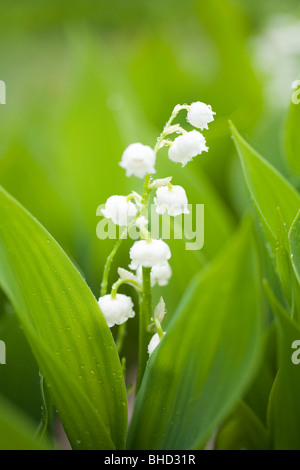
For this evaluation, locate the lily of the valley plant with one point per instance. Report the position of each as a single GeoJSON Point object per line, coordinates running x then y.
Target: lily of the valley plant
{"type": "Point", "coordinates": [150, 257]}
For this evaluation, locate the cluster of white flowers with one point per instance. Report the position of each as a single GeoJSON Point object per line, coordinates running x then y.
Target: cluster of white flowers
{"type": "Point", "coordinates": [139, 160]}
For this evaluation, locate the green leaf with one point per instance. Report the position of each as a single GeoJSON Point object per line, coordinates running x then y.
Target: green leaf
{"type": "Point", "coordinates": [22, 366]}
{"type": "Point", "coordinates": [294, 245]}
{"type": "Point", "coordinates": [16, 431]}
{"type": "Point", "coordinates": [268, 188]}
{"type": "Point", "coordinates": [47, 418]}
{"type": "Point", "coordinates": [292, 137]}
{"type": "Point", "coordinates": [257, 396]}
{"type": "Point", "coordinates": [284, 405]}
{"type": "Point", "coordinates": [243, 431]}
{"type": "Point", "coordinates": [66, 330]}
{"type": "Point", "coordinates": [207, 357]}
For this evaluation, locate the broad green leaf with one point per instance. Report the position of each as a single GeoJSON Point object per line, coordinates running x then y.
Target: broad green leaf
{"type": "Point", "coordinates": [65, 328]}
{"type": "Point", "coordinates": [292, 137]}
{"type": "Point", "coordinates": [207, 357]}
{"type": "Point", "coordinates": [257, 396]}
{"type": "Point", "coordinates": [17, 431]}
{"type": "Point", "coordinates": [284, 405]}
{"type": "Point", "coordinates": [268, 189]}
{"type": "Point", "coordinates": [22, 367]}
{"type": "Point", "coordinates": [243, 431]}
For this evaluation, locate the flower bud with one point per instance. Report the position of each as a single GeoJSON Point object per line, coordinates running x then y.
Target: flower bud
{"type": "Point", "coordinates": [160, 310]}
{"type": "Point", "coordinates": [154, 342]}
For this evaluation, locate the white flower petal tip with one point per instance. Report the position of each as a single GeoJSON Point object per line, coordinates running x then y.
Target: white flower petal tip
{"type": "Point", "coordinates": [149, 253]}
{"type": "Point", "coordinates": [119, 210]}
{"type": "Point", "coordinates": [200, 115]}
{"type": "Point", "coordinates": [154, 342]}
{"type": "Point", "coordinates": [187, 146]}
{"type": "Point", "coordinates": [159, 274]}
{"type": "Point", "coordinates": [138, 160]}
{"type": "Point", "coordinates": [116, 310]}
{"type": "Point", "coordinates": [171, 199]}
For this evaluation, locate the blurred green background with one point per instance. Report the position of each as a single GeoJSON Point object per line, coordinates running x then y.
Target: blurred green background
{"type": "Point", "coordinates": [85, 79]}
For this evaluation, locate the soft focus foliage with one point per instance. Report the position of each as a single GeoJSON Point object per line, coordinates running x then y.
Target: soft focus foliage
{"type": "Point", "coordinates": [84, 80]}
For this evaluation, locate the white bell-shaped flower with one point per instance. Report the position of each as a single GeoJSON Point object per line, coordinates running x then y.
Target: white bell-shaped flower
{"type": "Point", "coordinates": [187, 146]}
{"type": "Point", "coordinates": [138, 160]}
{"type": "Point", "coordinates": [171, 199]}
{"type": "Point", "coordinates": [154, 342]}
{"type": "Point", "coordinates": [200, 115]}
{"type": "Point", "coordinates": [159, 274]}
{"type": "Point", "coordinates": [116, 310]}
{"type": "Point", "coordinates": [149, 253]}
{"type": "Point", "coordinates": [119, 210]}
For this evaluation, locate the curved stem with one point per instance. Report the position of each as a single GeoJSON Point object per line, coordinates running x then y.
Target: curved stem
{"type": "Point", "coordinates": [131, 282]}
{"type": "Point", "coordinates": [167, 129]}
{"type": "Point", "coordinates": [111, 256]}
{"type": "Point", "coordinates": [108, 265]}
